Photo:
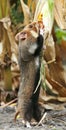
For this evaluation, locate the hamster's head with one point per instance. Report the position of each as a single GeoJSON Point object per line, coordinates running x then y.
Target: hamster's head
{"type": "Point", "coordinates": [30, 31]}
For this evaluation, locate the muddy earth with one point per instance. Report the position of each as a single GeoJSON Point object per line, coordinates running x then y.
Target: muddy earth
{"type": "Point", "coordinates": [54, 120]}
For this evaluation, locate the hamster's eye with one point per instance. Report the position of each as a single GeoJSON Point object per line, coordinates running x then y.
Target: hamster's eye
{"type": "Point", "coordinates": [30, 26]}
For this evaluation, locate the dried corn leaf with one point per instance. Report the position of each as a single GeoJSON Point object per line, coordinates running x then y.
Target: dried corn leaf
{"type": "Point", "coordinates": [48, 98]}
{"type": "Point", "coordinates": [7, 25]}
{"type": "Point", "coordinates": [56, 70]}
{"type": "Point", "coordinates": [1, 31]}
{"type": "Point", "coordinates": [52, 87]}
{"type": "Point", "coordinates": [29, 3]}
{"type": "Point", "coordinates": [26, 12]}
{"type": "Point", "coordinates": [49, 53]}
{"type": "Point", "coordinates": [62, 50]}
{"type": "Point", "coordinates": [51, 102]}
{"type": "Point", "coordinates": [60, 13]}
{"type": "Point", "coordinates": [57, 87]}
{"type": "Point", "coordinates": [58, 73]}
{"type": "Point", "coordinates": [33, 7]}
{"type": "Point", "coordinates": [51, 106]}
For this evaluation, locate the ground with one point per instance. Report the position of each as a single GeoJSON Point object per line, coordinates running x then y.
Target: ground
{"type": "Point", "coordinates": [55, 120]}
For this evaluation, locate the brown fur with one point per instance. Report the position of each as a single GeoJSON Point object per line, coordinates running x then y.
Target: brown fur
{"type": "Point", "coordinates": [27, 101]}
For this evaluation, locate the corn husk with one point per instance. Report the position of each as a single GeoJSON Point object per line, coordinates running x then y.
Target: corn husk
{"type": "Point", "coordinates": [45, 12]}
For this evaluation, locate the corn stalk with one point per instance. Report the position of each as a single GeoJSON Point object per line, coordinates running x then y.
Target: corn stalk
{"type": "Point", "coordinates": [6, 54]}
